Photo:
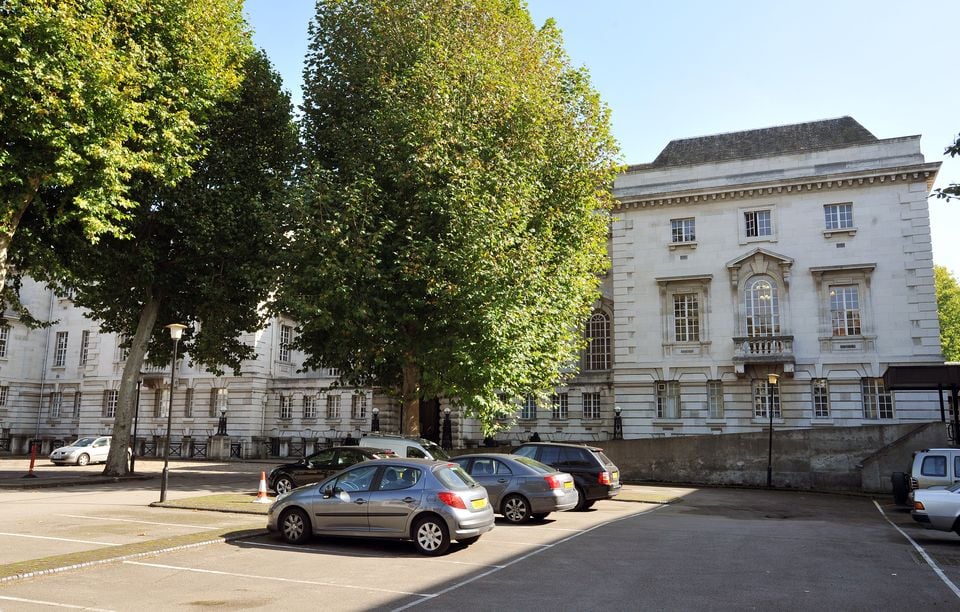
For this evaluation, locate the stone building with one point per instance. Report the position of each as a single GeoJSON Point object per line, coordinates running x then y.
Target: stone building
{"type": "Point", "coordinates": [800, 251]}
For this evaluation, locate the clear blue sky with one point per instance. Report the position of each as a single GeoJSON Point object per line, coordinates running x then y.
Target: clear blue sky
{"type": "Point", "coordinates": [696, 67]}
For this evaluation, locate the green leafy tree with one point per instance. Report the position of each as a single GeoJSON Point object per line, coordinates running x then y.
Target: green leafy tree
{"type": "Point", "coordinates": [952, 190]}
{"type": "Point", "coordinates": [205, 253]}
{"type": "Point", "coordinates": [948, 311]}
{"type": "Point", "coordinates": [456, 201]}
{"type": "Point", "coordinates": [94, 93]}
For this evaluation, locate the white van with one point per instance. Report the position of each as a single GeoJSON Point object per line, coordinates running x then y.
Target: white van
{"type": "Point", "coordinates": [406, 447]}
{"type": "Point", "coordinates": [935, 467]}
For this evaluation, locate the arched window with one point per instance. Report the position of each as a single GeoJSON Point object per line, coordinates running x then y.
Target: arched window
{"type": "Point", "coordinates": [762, 308]}
{"type": "Point", "coordinates": [598, 342]}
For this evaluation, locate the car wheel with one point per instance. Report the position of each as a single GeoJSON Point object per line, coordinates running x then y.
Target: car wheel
{"type": "Point", "coordinates": [295, 526]}
{"type": "Point", "coordinates": [539, 517]}
{"type": "Point", "coordinates": [581, 501]}
{"type": "Point", "coordinates": [83, 459]}
{"type": "Point", "coordinates": [515, 509]}
{"type": "Point", "coordinates": [430, 536]}
{"type": "Point", "coordinates": [283, 485]}
{"type": "Point", "coordinates": [468, 541]}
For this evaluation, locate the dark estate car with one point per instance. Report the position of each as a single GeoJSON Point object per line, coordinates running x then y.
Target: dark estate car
{"type": "Point", "coordinates": [316, 467]}
{"type": "Point", "coordinates": [595, 475]}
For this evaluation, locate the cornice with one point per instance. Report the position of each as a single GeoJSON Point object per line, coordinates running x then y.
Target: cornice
{"type": "Point", "coordinates": [902, 174]}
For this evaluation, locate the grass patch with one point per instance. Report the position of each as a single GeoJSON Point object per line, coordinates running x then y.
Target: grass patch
{"type": "Point", "coordinates": [225, 502]}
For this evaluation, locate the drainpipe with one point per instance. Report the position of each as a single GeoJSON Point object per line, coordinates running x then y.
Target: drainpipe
{"type": "Point", "coordinates": [43, 369]}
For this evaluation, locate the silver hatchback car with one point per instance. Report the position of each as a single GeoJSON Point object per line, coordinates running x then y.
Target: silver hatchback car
{"type": "Point", "coordinates": [428, 502]}
{"type": "Point", "coordinates": [521, 488]}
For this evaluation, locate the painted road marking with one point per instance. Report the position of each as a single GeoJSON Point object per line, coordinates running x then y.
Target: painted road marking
{"type": "Point", "coordinates": [356, 553]}
{"type": "Point", "coordinates": [274, 578]}
{"type": "Point", "coordinates": [52, 604]}
{"type": "Point", "coordinates": [120, 520]}
{"type": "Point", "coordinates": [933, 564]}
{"type": "Point", "coordinates": [23, 535]}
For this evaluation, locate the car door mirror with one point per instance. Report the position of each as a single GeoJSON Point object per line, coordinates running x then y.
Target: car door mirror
{"type": "Point", "coordinates": [328, 492]}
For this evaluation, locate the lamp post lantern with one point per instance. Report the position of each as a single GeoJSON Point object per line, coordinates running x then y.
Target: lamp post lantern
{"type": "Point", "coordinates": [176, 330]}
{"type": "Point", "coordinates": [617, 423]}
{"type": "Point", "coordinates": [771, 383]}
{"type": "Point", "coordinates": [446, 440]}
{"type": "Point", "coordinates": [375, 422]}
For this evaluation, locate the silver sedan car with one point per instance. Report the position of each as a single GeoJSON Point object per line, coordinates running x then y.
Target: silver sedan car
{"type": "Point", "coordinates": [92, 449]}
{"type": "Point", "coordinates": [428, 502]}
{"type": "Point", "coordinates": [521, 488]}
{"type": "Point", "coordinates": [938, 508]}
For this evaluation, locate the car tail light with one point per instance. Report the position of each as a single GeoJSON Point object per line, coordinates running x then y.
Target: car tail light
{"type": "Point", "coordinates": [553, 481]}
{"type": "Point", "coordinates": [451, 499]}
{"type": "Point", "coordinates": [604, 478]}
{"type": "Point", "coordinates": [918, 506]}
{"type": "Point", "coordinates": [914, 484]}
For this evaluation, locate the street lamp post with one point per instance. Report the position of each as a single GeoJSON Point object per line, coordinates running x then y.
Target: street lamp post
{"type": "Point", "coordinates": [375, 422]}
{"type": "Point", "coordinates": [136, 422]}
{"type": "Point", "coordinates": [617, 423]}
{"type": "Point", "coordinates": [176, 330]}
{"type": "Point", "coordinates": [771, 383]}
{"type": "Point", "coordinates": [446, 440]}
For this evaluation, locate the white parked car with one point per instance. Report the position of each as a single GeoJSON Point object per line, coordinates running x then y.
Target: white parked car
{"type": "Point", "coordinates": [92, 449]}
{"type": "Point", "coordinates": [938, 508]}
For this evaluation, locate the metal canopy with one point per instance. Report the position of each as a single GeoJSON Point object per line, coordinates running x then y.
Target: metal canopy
{"type": "Point", "coordinates": [922, 378]}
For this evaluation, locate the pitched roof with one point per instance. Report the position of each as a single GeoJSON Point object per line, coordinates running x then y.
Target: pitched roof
{"type": "Point", "coordinates": [767, 141]}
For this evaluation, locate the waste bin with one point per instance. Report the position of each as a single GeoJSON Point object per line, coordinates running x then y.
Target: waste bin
{"type": "Point", "coordinates": [901, 488]}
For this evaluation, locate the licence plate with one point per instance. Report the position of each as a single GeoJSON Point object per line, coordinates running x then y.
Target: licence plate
{"type": "Point", "coordinates": [615, 476]}
{"type": "Point", "coordinates": [568, 485]}
{"type": "Point", "coordinates": [479, 503]}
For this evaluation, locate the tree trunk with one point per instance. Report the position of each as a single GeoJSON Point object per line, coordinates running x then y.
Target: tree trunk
{"type": "Point", "coordinates": [117, 462]}
{"type": "Point", "coordinates": [411, 397]}
{"type": "Point", "coordinates": [11, 221]}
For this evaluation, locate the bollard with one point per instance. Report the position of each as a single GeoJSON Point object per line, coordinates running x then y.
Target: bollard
{"type": "Point", "coordinates": [33, 460]}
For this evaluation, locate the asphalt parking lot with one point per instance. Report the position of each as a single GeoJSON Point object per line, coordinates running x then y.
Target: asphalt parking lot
{"type": "Point", "coordinates": [101, 545]}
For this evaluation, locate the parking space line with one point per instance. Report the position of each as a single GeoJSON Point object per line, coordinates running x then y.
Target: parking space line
{"type": "Point", "coordinates": [490, 572]}
{"type": "Point", "coordinates": [120, 520]}
{"type": "Point", "coordinates": [274, 578]}
{"type": "Point", "coordinates": [933, 564]}
{"type": "Point", "coordinates": [354, 553]}
{"type": "Point", "coordinates": [53, 604]}
{"type": "Point", "coordinates": [36, 537]}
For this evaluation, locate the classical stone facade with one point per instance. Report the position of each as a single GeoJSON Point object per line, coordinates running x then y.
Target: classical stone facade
{"type": "Point", "coordinates": [801, 251]}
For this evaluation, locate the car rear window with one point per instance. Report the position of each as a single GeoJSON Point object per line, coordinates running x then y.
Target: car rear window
{"type": "Point", "coordinates": [454, 477]}
{"type": "Point", "coordinates": [435, 450]}
{"type": "Point", "coordinates": [535, 465]}
{"type": "Point", "coordinates": [603, 458]}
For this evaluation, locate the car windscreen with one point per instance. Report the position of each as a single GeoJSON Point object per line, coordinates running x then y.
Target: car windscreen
{"type": "Point", "coordinates": [83, 442]}
{"type": "Point", "coordinates": [454, 477]}
{"type": "Point", "coordinates": [435, 450]}
{"type": "Point", "coordinates": [535, 465]}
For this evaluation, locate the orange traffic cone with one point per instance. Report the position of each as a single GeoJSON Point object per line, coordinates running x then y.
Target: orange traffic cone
{"type": "Point", "coordinates": [262, 491]}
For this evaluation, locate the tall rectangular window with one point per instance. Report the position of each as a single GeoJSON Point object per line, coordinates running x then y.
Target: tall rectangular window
{"type": "Point", "coordinates": [188, 403]}
{"type": "Point", "coordinates": [358, 406]}
{"type": "Point", "coordinates": [715, 398]}
{"type": "Point", "coordinates": [560, 405]}
{"type": "Point", "coordinates": [766, 397]}
{"type": "Point", "coordinates": [686, 317]}
{"type": "Point", "coordinates": [683, 230]}
{"type": "Point", "coordinates": [591, 406]}
{"type": "Point", "coordinates": [286, 337]}
{"type": "Point", "coordinates": [77, 402]}
{"type": "Point", "coordinates": [838, 216]}
{"type": "Point", "coordinates": [60, 350]}
{"type": "Point", "coordinates": [218, 401]}
{"type": "Point", "coordinates": [56, 404]}
{"type": "Point", "coordinates": [845, 310]}
{"type": "Point", "coordinates": [820, 393]}
{"type": "Point", "coordinates": [668, 399]}
{"type": "Point", "coordinates": [110, 403]}
{"type": "Point", "coordinates": [161, 402]}
{"type": "Point", "coordinates": [877, 399]}
{"type": "Point", "coordinates": [598, 342]}
{"type": "Point", "coordinates": [84, 346]}
{"type": "Point", "coordinates": [757, 223]}
{"type": "Point", "coordinates": [309, 406]}
{"type": "Point", "coordinates": [4, 337]}
{"type": "Point", "coordinates": [4, 394]}
{"type": "Point", "coordinates": [286, 410]}
{"type": "Point", "coordinates": [121, 350]}
{"type": "Point", "coordinates": [333, 406]}
{"type": "Point", "coordinates": [528, 411]}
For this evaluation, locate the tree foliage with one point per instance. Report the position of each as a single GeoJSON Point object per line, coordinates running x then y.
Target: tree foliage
{"type": "Point", "coordinates": [455, 201]}
{"type": "Point", "coordinates": [948, 311]}
{"type": "Point", "coordinates": [952, 190]}
{"type": "Point", "coordinates": [205, 253]}
{"type": "Point", "coordinates": [93, 94]}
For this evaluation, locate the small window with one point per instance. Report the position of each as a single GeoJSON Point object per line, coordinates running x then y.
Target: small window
{"type": "Point", "coordinates": [4, 394]}
{"type": "Point", "coordinates": [591, 406]}
{"type": "Point", "coordinates": [286, 337]}
{"type": "Point", "coordinates": [686, 317]}
{"type": "Point", "coordinates": [877, 399]}
{"type": "Point", "coordinates": [838, 216]}
{"type": "Point", "coordinates": [757, 223]}
{"type": "Point", "coordinates": [218, 401]}
{"type": "Point", "coordinates": [84, 346]}
{"type": "Point", "coordinates": [309, 406]}
{"type": "Point", "coordinates": [286, 411]}
{"type": "Point", "coordinates": [60, 350]}
{"type": "Point", "coordinates": [668, 399]}
{"type": "Point", "coordinates": [821, 398]}
{"type": "Point", "coordinates": [934, 465]}
{"type": "Point", "coordinates": [766, 397]}
{"type": "Point", "coordinates": [56, 404]}
{"type": "Point", "coordinates": [683, 230]}
{"type": "Point", "coordinates": [358, 406]}
{"type": "Point", "coordinates": [529, 410]}
{"type": "Point", "coordinates": [333, 406]}
{"type": "Point", "coordinates": [715, 398]}
{"type": "Point", "coordinates": [4, 337]}
{"type": "Point", "coordinates": [188, 403]}
{"type": "Point", "coordinates": [109, 403]}
{"type": "Point", "coordinates": [845, 310]}
{"type": "Point", "coordinates": [561, 404]}
{"type": "Point", "coordinates": [77, 401]}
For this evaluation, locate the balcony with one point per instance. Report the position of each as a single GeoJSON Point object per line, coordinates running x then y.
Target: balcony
{"type": "Point", "coordinates": [763, 350]}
